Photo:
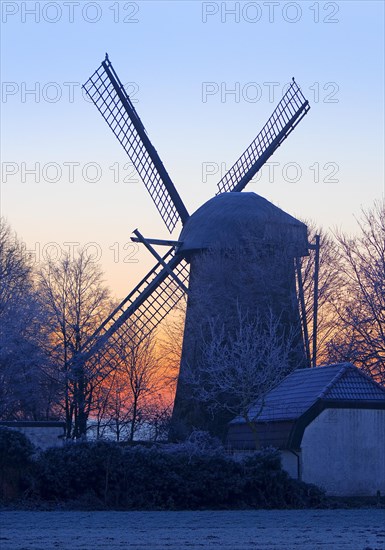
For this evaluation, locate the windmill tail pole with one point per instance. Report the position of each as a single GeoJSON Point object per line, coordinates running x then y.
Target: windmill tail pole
{"type": "Point", "coordinates": [315, 309]}
{"type": "Point", "coordinates": [303, 311]}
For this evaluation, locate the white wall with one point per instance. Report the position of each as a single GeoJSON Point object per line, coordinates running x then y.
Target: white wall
{"type": "Point", "coordinates": [343, 451]}
{"type": "Point", "coordinates": [290, 463]}
{"type": "Point", "coordinates": [43, 437]}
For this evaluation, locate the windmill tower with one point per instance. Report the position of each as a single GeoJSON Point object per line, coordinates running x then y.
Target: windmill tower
{"type": "Point", "coordinates": [267, 237]}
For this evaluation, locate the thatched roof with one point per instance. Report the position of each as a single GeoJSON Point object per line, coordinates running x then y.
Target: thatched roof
{"type": "Point", "coordinates": [230, 220]}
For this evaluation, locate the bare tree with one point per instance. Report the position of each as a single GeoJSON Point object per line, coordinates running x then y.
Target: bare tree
{"type": "Point", "coordinates": [158, 416]}
{"type": "Point", "coordinates": [130, 398]}
{"type": "Point", "coordinates": [169, 344]}
{"type": "Point", "coordinates": [360, 334]}
{"type": "Point", "coordinates": [76, 301]}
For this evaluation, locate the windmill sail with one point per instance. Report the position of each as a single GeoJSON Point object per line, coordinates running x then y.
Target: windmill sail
{"type": "Point", "coordinates": [108, 94]}
{"type": "Point", "coordinates": [141, 311]}
{"type": "Point", "coordinates": [289, 111]}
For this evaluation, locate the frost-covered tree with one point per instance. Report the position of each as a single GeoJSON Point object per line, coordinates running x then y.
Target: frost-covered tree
{"type": "Point", "coordinates": [25, 392]}
{"type": "Point", "coordinates": [239, 368]}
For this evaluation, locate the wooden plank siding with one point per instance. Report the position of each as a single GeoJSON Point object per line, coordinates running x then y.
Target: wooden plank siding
{"type": "Point", "coordinates": [270, 434]}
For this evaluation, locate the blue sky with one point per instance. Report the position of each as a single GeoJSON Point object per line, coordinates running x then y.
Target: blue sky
{"type": "Point", "coordinates": [170, 54]}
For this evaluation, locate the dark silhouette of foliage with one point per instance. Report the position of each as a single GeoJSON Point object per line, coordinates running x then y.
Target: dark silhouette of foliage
{"type": "Point", "coordinates": [168, 477]}
{"type": "Point", "coordinates": [15, 462]}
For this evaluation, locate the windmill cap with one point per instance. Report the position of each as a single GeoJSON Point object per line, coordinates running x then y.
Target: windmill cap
{"type": "Point", "coordinates": [233, 219]}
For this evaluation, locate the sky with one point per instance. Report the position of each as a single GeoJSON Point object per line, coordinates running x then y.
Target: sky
{"type": "Point", "coordinates": [204, 78]}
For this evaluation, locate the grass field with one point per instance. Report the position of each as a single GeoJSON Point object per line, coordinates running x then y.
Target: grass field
{"type": "Point", "coordinates": [360, 529]}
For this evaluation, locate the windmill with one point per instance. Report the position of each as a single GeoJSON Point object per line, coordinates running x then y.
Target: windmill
{"type": "Point", "coordinates": [228, 220]}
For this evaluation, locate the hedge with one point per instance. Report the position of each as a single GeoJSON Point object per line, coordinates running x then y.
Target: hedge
{"type": "Point", "coordinates": [196, 475]}
{"type": "Point", "coordinates": [136, 477]}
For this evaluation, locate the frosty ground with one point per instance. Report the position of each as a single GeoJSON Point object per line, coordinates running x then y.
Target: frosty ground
{"type": "Point", "coordinates": [358, 529]}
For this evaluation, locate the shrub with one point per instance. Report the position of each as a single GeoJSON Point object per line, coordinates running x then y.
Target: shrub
{"type": "Point", "coordinates": [77, 469]}
{"type": "Point", "coordinates": [16, 452]}
{"type": "Point", "coordinates": [15, 448]}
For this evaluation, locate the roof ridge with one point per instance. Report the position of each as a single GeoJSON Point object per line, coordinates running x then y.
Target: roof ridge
{"type": "Point", "coordinates": [369, 378]}
{"type": "Point", "coordinates": [340, 373]}
{"type": "Point", "coordinates": [341, 365]}
{"type": "Point", "coordinates": [344, 369]}
{"type": "Point", "coordinates": [330, 365]}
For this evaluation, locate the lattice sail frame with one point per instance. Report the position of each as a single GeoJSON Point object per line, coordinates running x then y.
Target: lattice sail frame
{"type": "Point", "coordinates": [289, 111]}
{"type": "Point", "coordinates": [139, 313]}
{"type": "Point", "coordinates": [108, 94]}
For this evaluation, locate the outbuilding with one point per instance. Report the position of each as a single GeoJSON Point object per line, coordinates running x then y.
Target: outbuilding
{"type": "Point", "coordinates": [42, 434]}
{"type": "Point", "coordinates": [328, 422]}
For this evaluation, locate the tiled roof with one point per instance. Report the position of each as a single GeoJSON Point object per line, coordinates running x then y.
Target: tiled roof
{"type": "Point", "coordinates": [353, 384]}
{"type": "Point", "coordinates": [304, 387]}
